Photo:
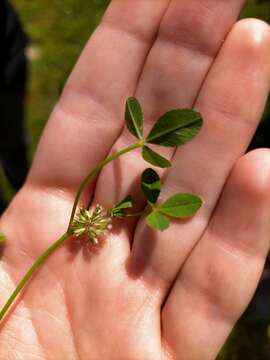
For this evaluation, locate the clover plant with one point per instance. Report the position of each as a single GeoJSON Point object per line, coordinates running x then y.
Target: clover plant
{"type": "Point", "coordinates": [173, 129]}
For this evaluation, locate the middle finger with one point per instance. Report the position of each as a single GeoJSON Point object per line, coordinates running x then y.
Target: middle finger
{"type": "Point", "coordinates": [190, 35]}
{"type": "Point", "coordinates": [240, 72]}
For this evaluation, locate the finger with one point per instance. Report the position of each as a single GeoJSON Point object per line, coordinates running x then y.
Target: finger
{"type": "Point", "coordinates": [88, 116]}
{"type": "Point", "coordinates": [190, 35]}
{"type": "Point", "coordinates": [222, 272]}
{"type": "Point", "coordinates": [240, 72]}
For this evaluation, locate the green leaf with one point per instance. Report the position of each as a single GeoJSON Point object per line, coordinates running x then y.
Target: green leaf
{"type": "Point", "coordinates": [176, 127]}
{"type": "Point", "coordinates": [150, 185]}
{"type": "Point", "coordinates": [134, 117]}
{"type": "Point", "coordinates": [154, 158]}
{"type": "Point", "coordinates": [157, 221]}
{"type": "Point", "coordinates": [126, 203]}
{"type": "Point", "coordinates": [181, 205]}
{"type": "Point", "coordinates": [2, 238]}
{"type": "Point", "coordinates": [118, 210]}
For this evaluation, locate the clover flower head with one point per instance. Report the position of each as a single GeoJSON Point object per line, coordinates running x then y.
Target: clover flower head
{"type": "Point", "coordinates": [93, 223]}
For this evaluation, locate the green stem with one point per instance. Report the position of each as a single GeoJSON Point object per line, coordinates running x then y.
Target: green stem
{"type": "Point", "coordinates": [94, 172]}
{"type": "Point", "coordinates": [141, 213]}
{"type": "Point", "coordinates": [64, 237]}
{"type": "Point", "coordinates": [144, 212]}
{"type": "Point", "coordinates": [31, 271]}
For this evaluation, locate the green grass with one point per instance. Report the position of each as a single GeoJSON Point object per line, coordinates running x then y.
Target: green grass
{"type": "Point", "coordinates": [252, 9]}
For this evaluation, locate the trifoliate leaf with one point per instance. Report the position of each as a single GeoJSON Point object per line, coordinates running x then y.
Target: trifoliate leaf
{"type": "Point", "coordinates": [150, 185]}
{"type": "Point", "coordinates": [2, 238]}
{"type": "Point", "coordinates": [154, 158]}
{"type": "Point", "coordinates": [157, 221]}
{"type": "Point", "coordinates": [134, 117]}
{"type": "Point", "coordinates": [119, 209]}
{"type": "Point", "coordinates": [176, 127]}
{"type": "Point", "coordinates": [181, 205]}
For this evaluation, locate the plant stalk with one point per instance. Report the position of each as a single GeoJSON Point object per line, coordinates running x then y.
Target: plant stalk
{"type": "Point", "coordinates": [31, 271]}
{"type": "Point", "coordinates": [141, 213]}
{"type": "Point", "coordinates": [68, 233]}
{"type": "Point", "coordinates": [94, 172]}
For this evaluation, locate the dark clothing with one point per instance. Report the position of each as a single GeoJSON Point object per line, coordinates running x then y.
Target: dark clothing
{"type": "Point", "coordinates": [13, 42]}
{"type": "Point", "coordinates": [13, 150]}
{"type": "Point", "coordinates": [13, 74]}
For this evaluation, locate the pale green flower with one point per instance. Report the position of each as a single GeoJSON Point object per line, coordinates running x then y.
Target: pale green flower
{"type": "Point", "coordinates": [93, 223]}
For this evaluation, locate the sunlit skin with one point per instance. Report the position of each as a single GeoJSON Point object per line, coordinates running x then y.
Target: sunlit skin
{"type": "Point", "coordinates": [139, 294]}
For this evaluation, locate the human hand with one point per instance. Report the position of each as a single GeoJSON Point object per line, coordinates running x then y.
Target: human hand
{"type": "Point", "coordinates": [144, 295]}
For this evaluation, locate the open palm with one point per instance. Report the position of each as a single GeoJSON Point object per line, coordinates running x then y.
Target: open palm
{"type": "Point", "coordinates": [142, 295]}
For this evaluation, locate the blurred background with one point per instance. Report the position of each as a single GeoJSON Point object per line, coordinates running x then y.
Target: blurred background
{"type": "Point", "coordinates": [57, 31]}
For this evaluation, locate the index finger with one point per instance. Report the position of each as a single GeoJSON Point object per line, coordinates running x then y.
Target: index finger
{"type": "Point", "coordinates": [88, 117]}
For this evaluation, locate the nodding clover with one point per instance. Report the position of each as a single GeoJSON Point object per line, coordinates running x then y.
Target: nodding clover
{"type": "Point", "coordinates": [174, 128]}
{"type": "Point", "coordinates": [93, 223]}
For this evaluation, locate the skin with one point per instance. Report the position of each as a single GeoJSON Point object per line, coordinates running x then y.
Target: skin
{"type": "Point", "coordinates": [142, 295]}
